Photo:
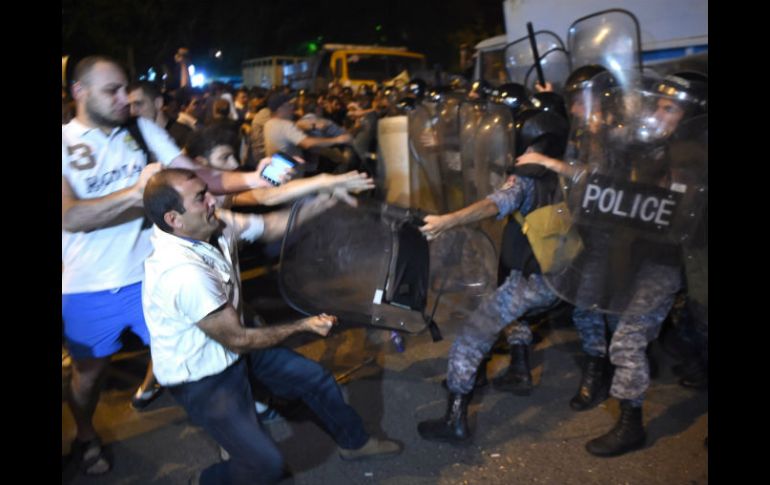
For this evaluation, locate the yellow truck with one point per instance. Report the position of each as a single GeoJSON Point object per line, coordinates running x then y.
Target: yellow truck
{"type": "Point", "coordinates": [355, 65]}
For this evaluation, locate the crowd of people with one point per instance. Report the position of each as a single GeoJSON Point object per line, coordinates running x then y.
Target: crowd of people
{"type": "Point", "coordinates": [149, 244]}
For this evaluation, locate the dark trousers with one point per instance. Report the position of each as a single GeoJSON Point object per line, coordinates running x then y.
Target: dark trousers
{"type": "Point", "coordinates": [222, 404]}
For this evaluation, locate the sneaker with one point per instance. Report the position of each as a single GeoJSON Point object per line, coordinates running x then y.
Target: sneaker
{"type": "Point", "coordinates": [374, 448]}
{"type": "Point", "coordinates": [266, 413]}
{"type": "Point", "coordinates": [91, 456]}
{"type": "Point", "coordinates": [223, 454]}
{"type": "Point", "coordinates": [270, 415]}
{"type": "Point", "coordinates": [143, 397]}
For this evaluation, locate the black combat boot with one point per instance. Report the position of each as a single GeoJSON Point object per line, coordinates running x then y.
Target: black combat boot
{"type": "Point", "coordinates": [694, 375]}
{"type": "Point", "coordinates": [481, 376]}
{"type": "Point", "coordinates": [627, 435]}
{"type": "Point", "coordinates": [453, 427]}
{"type": "Point", "coordinates": [594, 385]}
{"type": "Point", "coordinates": [518, 378]}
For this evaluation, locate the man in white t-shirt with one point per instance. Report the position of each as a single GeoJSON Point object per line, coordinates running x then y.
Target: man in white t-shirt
{"type": "Point", "coordinates": [192, 302]}
{"type": "Point", "coordinates": [104, 235]}
{"type": "Point", "coordinates": [281, 135]}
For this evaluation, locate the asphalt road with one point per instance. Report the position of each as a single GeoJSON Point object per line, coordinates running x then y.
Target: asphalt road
{"type": "Point", "coordinates": [534, 439]}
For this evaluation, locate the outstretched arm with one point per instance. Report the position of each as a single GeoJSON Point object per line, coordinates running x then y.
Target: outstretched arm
{"type": "Point", "coordinates": [436, 225]}
{"type": "Point", "coordinates": [310, 141]}
{"type": "Point", "coordinates": [222, 181]}
{"type": "Point", "coordinates": [351, 181]}
{"type": "Point", "coordinates": [224, 326]}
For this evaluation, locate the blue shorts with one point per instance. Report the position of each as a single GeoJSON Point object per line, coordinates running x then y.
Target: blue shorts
{"type": "Point", "coordinates": [93, 322]}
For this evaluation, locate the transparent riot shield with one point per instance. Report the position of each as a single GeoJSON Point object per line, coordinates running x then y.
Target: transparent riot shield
{"type": "Point", "coordinates": [609, 38]}
{"type": "Point", "coordinates": [689, 150]}
{"type": "Point", "coordinates": [448, 134]}
{"type": "Point", "coordinates": [425, 184]}
{"type": "Point", "coordinates": [345, 262]}
{"type": "Point", "coordinates": [471, 113]}
{"type": "Point", "coordinates": [463, 270]}
{"type": "Point", "coordinates": [494, 156]}
{"type": "Point", "coordinates": [369, 265]}
{"type": "Point", "coordinates": [554, 60]}
{"type": "Point", "coordinates": [639, 182]}
{"type": "Point", "coordinates": [494, 148]}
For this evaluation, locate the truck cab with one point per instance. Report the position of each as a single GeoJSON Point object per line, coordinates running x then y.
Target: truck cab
{"type": "Point", "coordinates": [356, 65]}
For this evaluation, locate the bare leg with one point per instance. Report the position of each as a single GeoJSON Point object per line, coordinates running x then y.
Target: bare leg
{"type": "Point", "coordinates": [147, 391]}
{"type": "Point", "coordinates": [149, 378]}
{"type": "Point", "coordinates": [84, 393]}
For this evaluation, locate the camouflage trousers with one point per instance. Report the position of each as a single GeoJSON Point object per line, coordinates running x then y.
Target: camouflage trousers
{"type": "Point", "coordinates": [515, 297]}
{"type": "Point", "coordinates": [630, 332]}
{"type": "Point", "coordinates": [518, 333]}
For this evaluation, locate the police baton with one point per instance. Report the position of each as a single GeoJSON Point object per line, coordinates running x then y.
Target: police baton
{"type": "Point", "coordinates": [533, 44]}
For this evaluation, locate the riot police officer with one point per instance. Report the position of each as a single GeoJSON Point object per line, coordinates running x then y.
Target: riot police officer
{"type": "Point", "coordinates": [639, 149]}
{"type": "Point", "coordinates": [524, 290]}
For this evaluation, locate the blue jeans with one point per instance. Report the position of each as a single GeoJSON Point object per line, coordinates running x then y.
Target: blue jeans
{"type": "Point", "coordinates": [222, 405]}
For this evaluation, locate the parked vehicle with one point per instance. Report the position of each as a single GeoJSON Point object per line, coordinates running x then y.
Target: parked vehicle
{"type": "Point", "coordinates": [674, 35]}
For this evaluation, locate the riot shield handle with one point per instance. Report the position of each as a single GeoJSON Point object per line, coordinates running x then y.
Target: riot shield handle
{"type": "Point", "coordinates": [412, 216]}
{"type": "Point", "coordinates": [435, 333]}
{"type": "Point", "coordinates": [535, 55]}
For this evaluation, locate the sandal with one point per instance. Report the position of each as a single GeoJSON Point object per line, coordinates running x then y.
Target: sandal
{"type": "Point", "coordinates": [91, 456]}
{"type": "Point", "coordinates": [143, 397]}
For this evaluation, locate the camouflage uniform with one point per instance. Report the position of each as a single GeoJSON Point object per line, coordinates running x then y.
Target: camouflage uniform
{"type": "Point", "coordinates": [632, 331]}
{"type": "Point", "coordinates": [515, 297]}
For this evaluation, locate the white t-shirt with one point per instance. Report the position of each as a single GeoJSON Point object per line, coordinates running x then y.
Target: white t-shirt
{"type": "Point", "coordinates": [282, 136]}
{"type": "Point", "coordinates": [96, 165]}
{"type": "Point", "coordinates": [186, 280]}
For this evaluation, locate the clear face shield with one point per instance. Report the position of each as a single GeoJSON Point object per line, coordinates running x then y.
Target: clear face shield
{"type": "Point", "coordinates": [593, 102]}
{"type": "Point", "coordinates": [659, 118]}
{"type": "Point", "coordinates": [638, 200]}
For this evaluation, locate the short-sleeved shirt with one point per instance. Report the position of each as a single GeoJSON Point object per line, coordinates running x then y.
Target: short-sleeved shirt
{"type": "Point", "coordinates": [283, 136]}
{"type": "Point", "coordinates": [258, 134]}
{"type": "Point", "coordinates": [96, 165]}
{"type": "Point", "coordinates": [519, 196]}
{"type": "Point", "coordinates": [186, 280]}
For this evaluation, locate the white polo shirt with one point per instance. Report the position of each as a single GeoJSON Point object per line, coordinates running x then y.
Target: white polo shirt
{"type": "Point", "coordinates": [186, 280]}
{"type": "Point", "coordinates": [282, 136]}
{"type": "Point", "coordinates": [96, 165]}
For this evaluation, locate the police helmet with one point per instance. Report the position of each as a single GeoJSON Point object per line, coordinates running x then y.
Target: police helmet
{"type": "Point", "coordinates": [666, 103]}
{"type": "Point", "coordinates": [406, 104]}
{"type": "Point", "coordinates": [689, 89]}
{"type": "Point", "coordinates": [549, 101]}
{"type": "Point", "coordinates": [544, 132]}
{"type": "Point", "coordinates": [438, 93]}
{"type": "Point", "coordinates": [480, 89]}
{"type": "Point", "coordinates": [581, 77]}
{"type": "Point", "coordinates": [416, 88]}
{"type": "Point", "coordinates": [513, 95]}
{"type": "Point", "coordinates": [594, 88]}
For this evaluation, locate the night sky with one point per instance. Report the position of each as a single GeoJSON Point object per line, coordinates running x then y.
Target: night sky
{"type": "Point", "coordinates": [151, 30]}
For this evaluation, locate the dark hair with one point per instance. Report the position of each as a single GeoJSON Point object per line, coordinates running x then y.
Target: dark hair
{"type": "Point", "coordinates": [149, 89]}
{"type": "Point", "coordinates": [84, 67]}
{"type": "Point", "coordinates": [201, 143]}
{"type": "Point", "coordinates": [221, 108]}
{"type": "Point", "coordinates": [160, 197]}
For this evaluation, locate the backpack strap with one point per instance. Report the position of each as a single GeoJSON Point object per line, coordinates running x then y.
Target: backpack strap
{"type": "Point", "coordinates": [133, 128]}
